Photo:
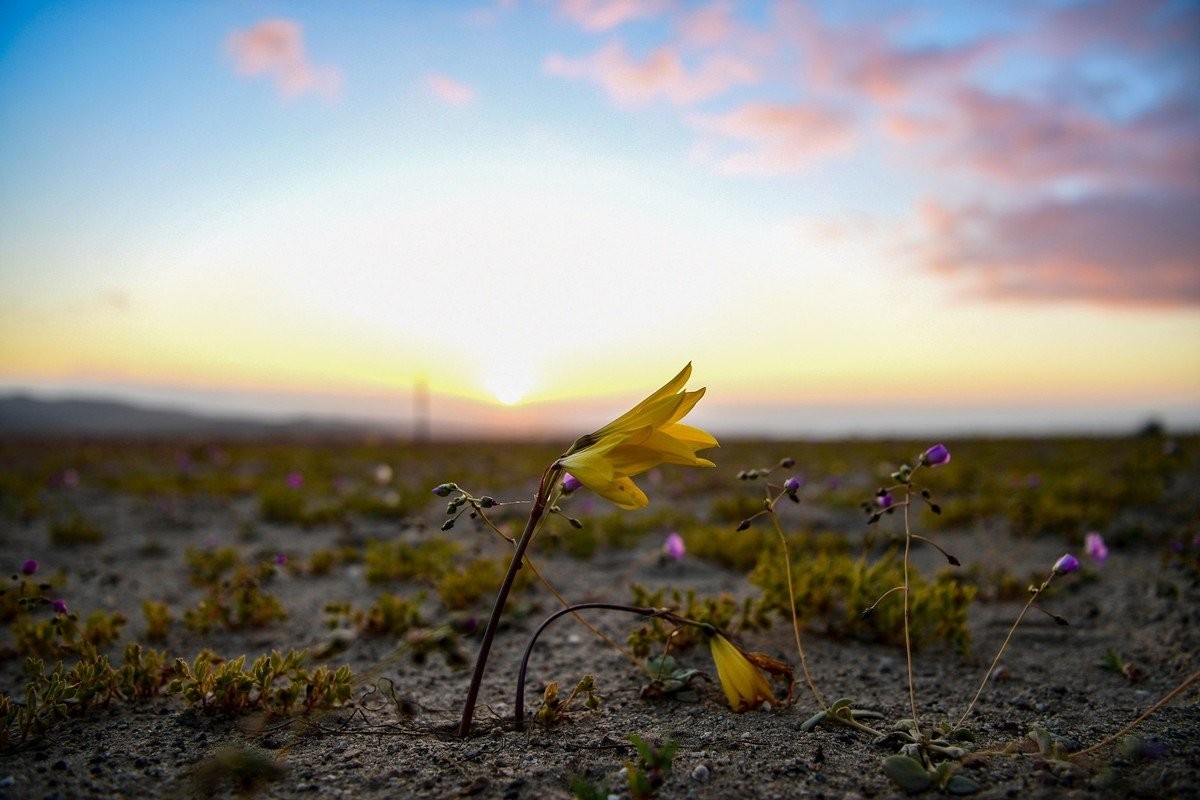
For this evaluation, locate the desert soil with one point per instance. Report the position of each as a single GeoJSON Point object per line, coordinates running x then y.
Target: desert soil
{"type": "Point", "coordinates": [378, 748]}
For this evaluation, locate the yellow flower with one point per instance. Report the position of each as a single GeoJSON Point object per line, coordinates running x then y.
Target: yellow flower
{"type": "Point", "coordinates": [647, 435]}
{"type": "Point", "coordinates": [745, 685]}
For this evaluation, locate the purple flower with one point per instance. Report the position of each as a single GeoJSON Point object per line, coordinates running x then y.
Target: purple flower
{"type": "Point", "coordinates": [936, 455]}
{"type": "Point", "coordinates": [1066, 565]}
{"type": "Point", "coordinates": [59, 606]}
{"type": "Point", "coordinates": [570, 483]}
{"type": "Point", "coordinates": [1093, 544]}
{"type": "Point", "coordinates": [884, 500]}
{"type": "Point", "coordinates": [673, 547]}
{"type": "Point", "coordinates": [295, 480]}
{"type": "Point", "coordinates": [792, 485]}
{"type": "Point", "coordinates": [29, 567]}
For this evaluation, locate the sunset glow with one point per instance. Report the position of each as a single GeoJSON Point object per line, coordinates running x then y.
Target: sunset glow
{"type": "Point", "coordinates": [834, 210]}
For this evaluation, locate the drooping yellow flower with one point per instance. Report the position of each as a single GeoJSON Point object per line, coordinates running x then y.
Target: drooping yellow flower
{"type": "Point", "coordinates": [745, 685]}
{"type": "Point", "coordinates": [647, 435]}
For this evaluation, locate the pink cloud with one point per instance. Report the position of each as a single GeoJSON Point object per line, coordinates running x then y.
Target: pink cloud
{"type": "Point", "coordinates": [275, 48]}
{"type": "Point", "coordinates": [1025, 143]}
{"type": "Point", "coordinates": [1123, 250]}
{"type": "Point", "coordinates": [781, 138]}
{"type": "Point", "coordinates": [630, 82]}
{"type": "Point", "coordinates": [604, 15]}
{"type": "Point", "coordinates": [450, 91]}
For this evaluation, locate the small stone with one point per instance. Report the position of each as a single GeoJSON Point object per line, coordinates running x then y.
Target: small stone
{"type": "Point", "coordinates": [700, 774]}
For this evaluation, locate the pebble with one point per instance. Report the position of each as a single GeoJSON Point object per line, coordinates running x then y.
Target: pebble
{"type": "Point", "coordinates": [700, 773]}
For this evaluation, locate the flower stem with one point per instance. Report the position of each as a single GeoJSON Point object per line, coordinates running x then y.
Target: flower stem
{"type": "Point", "coordinates": [1168, 697]}
{"type": "Point", "coordinates": [787, 563]}
{"type": "Point", "coordinates": [1033, 596]}
{"type": "Point", "coordinates": [489, 633]}
{"type": "Point", "coordinates": [519, 702]}
{"type": "Point", "coordinates": [912, 690]}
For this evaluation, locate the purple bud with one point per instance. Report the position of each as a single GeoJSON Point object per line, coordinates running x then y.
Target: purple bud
{"type": "Point", "coordinates": [792, 485]}
{"type": "Point", "coordinates": [936, 455]}
{"type": "Point", "coordinates": [673, 547]}
{"type": "Point", "coordinates": [29, 567]}
{"type": "Point", "coordinates": [1093, 544]}
{"type": "Point", "coordinates": [59, 606]}
{"type": "Point", "coordinates": [443, 490]}
{"type": "Point", "coordinates": [884, 500]}
{"type": "Point", "coordinates": [570, 483]}
{"type": "Point", "coordinates": [1066, 565]}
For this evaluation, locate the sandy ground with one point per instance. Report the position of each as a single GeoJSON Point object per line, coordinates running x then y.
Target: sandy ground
{"type": "Point", "coordinates": [378, 748]}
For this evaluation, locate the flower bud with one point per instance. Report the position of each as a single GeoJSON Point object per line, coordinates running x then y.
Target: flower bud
{"type": "Point", "coordinates": [443, 489]}
{"type": "Point", "coordinates": [570, 483]}
{"type": "Point", "coordinates": [674, 548]}
{"type": "Point", "coordinates": [29, 567]}
{"type": "Point", "coordinates": [936, 456]}
{"type": "Point", "coordinates": [1066, 565]}
{"type": "Point", "coordinates": [1097, 550]}
{"type": "Point", "coordinates": [792, 485]}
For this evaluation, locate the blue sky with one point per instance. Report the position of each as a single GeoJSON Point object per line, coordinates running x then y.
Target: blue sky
{"type": "Point", "coordinates": [837, 211]}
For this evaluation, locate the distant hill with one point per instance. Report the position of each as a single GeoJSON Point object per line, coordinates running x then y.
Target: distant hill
{"type": "Point", "coordinates": [22, 415]}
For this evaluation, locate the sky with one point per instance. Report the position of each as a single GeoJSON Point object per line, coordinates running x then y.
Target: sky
{"type": "Point", "coordinates": [851, 217]}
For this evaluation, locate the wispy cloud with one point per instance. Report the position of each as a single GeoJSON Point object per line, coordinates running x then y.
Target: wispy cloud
{"type": "Point", "coordinates": [1130, 250]}
{"type": "Point", "coordinates": [450, 91]}
{"type": "Point", "coordinates": [1061, 144]}
{"type": "Point", "coordinates": [275, 48]}
{"type": "Point", "coordinates": [604, 15]}
{"type": "Point", "coordinates": [775, 138]}
{"type": "Point", "coordinates": [630, 82]}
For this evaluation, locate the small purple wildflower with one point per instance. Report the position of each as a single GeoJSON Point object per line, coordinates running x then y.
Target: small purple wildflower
{"type": "Point", "coordinates": [29, 566]}
{"type": "Point", "coordinates": [1093, 543]}
{"type": "Point", "coordinates": [791, 485]}
{"type": "Point", "coordinates": [1066, 565]}
{"type": "Point", "coordinates": [59, 606]}
{"type": "Point", "coordinates": [884, 500]}
{"type": "Point", "coordinates": [936, 455]}
{"type": "Point", "coordinates": [674, 548]}
{"type": "Point", "coordinates": [295, 480]}
{"type": "Point", "coordinates": [570, 483]}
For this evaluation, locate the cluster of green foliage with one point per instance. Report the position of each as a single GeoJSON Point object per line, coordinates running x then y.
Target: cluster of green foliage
{"type": "Point", "coordinates": [555, 708]}
{"type": "Point", "coordinates": [722, 611]}
{"type": "Point", "coordinates": [400, 560]}
{"type": "Point", "coordinates": [277, 684]}
{"type": "Point", "coordinates": [62, 634]}
{"type": "Point", "coordinates": [51, 696]}
{"type": "Point", "coordinates": [832, 590]}
{"type": "Point", "coordinates": [235, 602]}
{"type": "Point", "coordinates": [74, 530]}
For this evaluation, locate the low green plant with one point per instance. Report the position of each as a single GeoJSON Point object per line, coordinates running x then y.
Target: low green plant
{"type": "Point", "coordinates": [237, 603]}
{"type": "Point", "coordinates": [277, 684]}
{"type": "Point", "coordinates": [648, 771]}
{"type": "Point", "coordinates": [722, 611]}
{"type": "Point", "coordinates": [399, 560]}
{"type": "Point", "coordinates": [158, 620]}
{"type": "Point", "coordinates": [556, 708]}
{"type": "Point", "coordinates": [75, 530]}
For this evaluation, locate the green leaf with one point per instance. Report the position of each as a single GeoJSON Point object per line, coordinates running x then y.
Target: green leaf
{"type": "Point", "coordinates": [812, 722]}
{"type": "Point", "coordinates": [907, 773]}
{"type": "Point", "coordinates": [961, 784]}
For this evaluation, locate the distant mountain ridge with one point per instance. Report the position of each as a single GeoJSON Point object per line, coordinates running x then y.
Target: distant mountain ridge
{"type": "Point", "coordinates": [24, 415]}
